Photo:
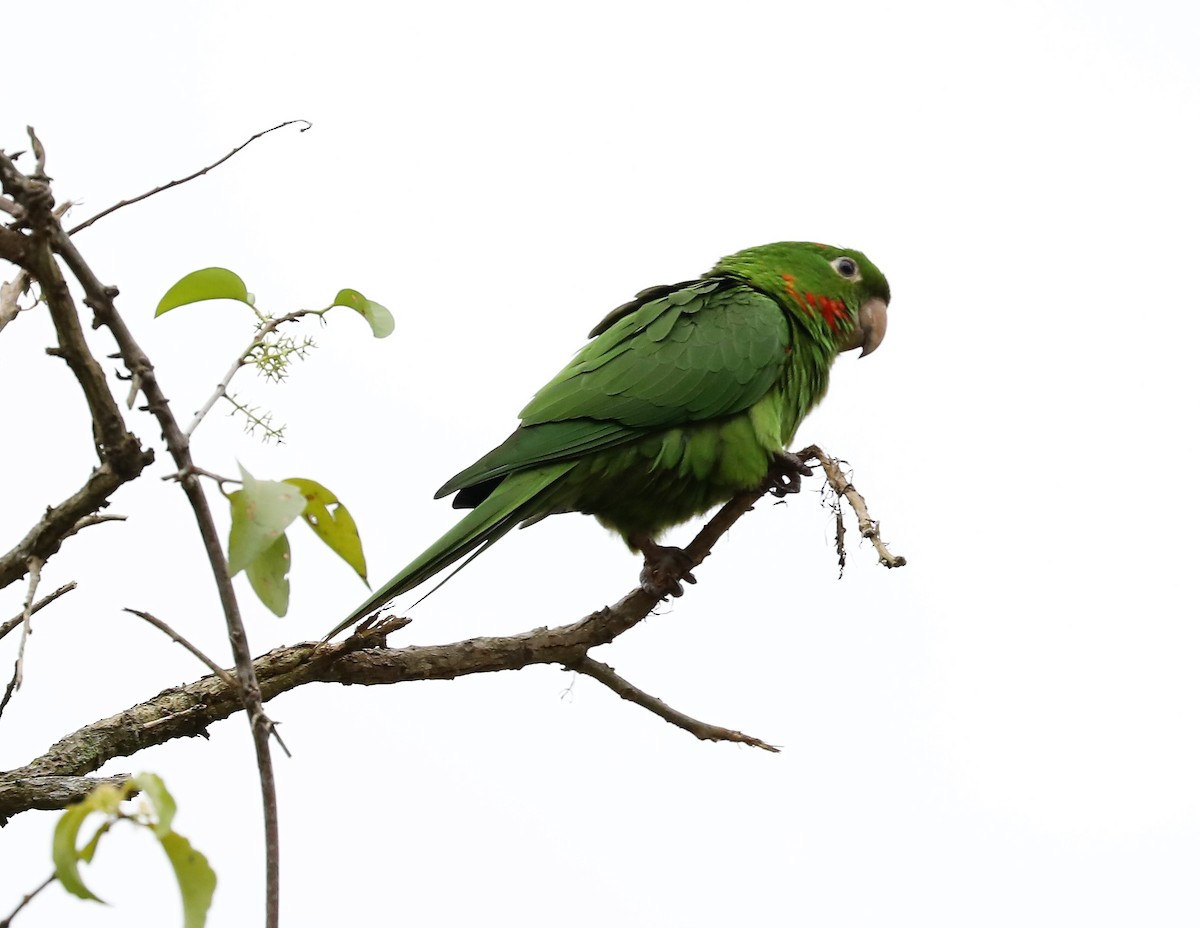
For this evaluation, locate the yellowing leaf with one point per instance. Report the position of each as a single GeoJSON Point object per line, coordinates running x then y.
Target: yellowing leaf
{"type": "Point", "coordinates": [332, 522]}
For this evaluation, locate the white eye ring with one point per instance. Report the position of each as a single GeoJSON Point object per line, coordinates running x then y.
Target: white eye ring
{"type": "Point", "coordinates": [846, 267]}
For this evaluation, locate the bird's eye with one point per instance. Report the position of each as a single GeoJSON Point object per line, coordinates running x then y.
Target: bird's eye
{"type": "Point", "coordinates": [847, 267]}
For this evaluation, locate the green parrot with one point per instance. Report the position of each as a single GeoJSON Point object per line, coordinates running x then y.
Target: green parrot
{"type": "Point", "coordinates": [682, 398]}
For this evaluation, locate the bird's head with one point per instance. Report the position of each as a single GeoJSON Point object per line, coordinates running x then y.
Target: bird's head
{"type": "Point", "coordinates": [839, 293]}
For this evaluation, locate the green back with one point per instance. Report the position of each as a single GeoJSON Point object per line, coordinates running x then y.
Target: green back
{"type": "Point", "coordinates": [709, 349]}
{"type": "Point", "coordinates": [699, 351]}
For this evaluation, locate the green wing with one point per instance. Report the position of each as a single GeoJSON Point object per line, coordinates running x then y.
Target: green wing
{"type": "Point", "coordinates": [700, 351]}
{"type": "Point", "coordinates": [499, 514]}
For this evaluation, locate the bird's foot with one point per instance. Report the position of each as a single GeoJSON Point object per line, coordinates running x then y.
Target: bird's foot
{"type": "Point", "coordinates": [784, 476]}
{"type": "Point", "coordinates": [664, 570]}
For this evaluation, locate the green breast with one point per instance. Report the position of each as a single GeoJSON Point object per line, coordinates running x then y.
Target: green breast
{"type": "Point", "coordinates": [669, 476]}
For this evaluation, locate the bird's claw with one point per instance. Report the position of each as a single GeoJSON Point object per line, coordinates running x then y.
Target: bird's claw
{"type": "Point", "coordinates": [664, 570]}
{"type": "Point", "coordinates": [784, 476]}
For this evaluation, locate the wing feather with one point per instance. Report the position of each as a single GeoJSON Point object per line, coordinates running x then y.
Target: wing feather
{"type": "Point", "coordinates": [703, 350]}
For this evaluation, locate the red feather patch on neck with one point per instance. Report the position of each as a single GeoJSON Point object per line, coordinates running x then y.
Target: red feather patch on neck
{"type": "Point", "coordinates": [789, 284]}
{"type": "Point", "coordinates": [832, 311]}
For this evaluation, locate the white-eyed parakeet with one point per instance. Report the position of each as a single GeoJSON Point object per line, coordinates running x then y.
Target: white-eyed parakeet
{"type": "Point", "coordinates": [683, 397]}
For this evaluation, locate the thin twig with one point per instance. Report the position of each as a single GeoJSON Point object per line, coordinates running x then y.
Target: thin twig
{"type": "Point", "coordinates": [243, 359]}
{"type": "Point", "coordinates": [204, 659]}
{"type": "Point", "coordinates": [13, 682]}
{"type": "Point", "coordinates": [841, 485]}
{"type": "Point", "coordinates": [122, 458]}
{"type": "Point", "coordinates": [839, 536]}
{"type": "Point", "coordinates": [58, 522]}
{"type": "Point", "coordinates": [200, 471]}
{"type": "Point", "coordinates": [626, 690]}
{"type": "Point", "coordinates": [18, 677]}
{"type": "Point", "coordinates": [100, 299]}
{"type": "Point", "coordinates": [360, 659]}
{"type": "Point", "coordinates": [41, 604]}
{"type": "Point", "coordinates": [96, 518]}
{"type": "Point", "coordinates": [183, 180]}
{"type": "Point", "coordinates": [39, 154]}
{"type": "Point", "coordinates": [188, 646]}
{"type": "Point", "coordinates": [120, 451]}
{"type": "Point", "coordinates": [26, 899]}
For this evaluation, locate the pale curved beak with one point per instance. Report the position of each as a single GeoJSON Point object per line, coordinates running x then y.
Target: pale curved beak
{"type": "Point", "coordinates": [872, 326]}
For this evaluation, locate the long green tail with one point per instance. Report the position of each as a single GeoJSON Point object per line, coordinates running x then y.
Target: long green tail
{"type": "Point", "coordinates": [506, 508]}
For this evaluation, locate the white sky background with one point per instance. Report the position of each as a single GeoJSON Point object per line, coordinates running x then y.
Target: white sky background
{"type": "Point", "coordinates": [1004, 732]}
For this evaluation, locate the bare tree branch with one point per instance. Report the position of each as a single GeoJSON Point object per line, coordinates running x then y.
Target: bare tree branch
{"type": "Point", "coordinates": [39, 154]}
{"type": "Point", "coordinates": [841, 485]}
{"type": "Point", "coordinates": [113, 441]}
{"type": "Point", "coordinates": [100, 298]}
{"type": "Point", "coordinates": [19, 619]}
{"type": "Point", "coordinates": [626, 690]}
{"type": "Point", "coordinates": [17, 246]}
{"type": "Point", "coordinates": [58, 522]}
{"type": "Point", "coordinates": [121, 455]}
{"type": "Point", "coordinates": [203, 658]}
{"type": "Point", "coordinates": [13, 209]}
{"type": "Point", "coordinates": [35, 577]}
{"type": "Point", "coordinates": [26, 899]}
{"type": "Point", "coordinates": [96, 518]}
{"type": "Point", "coordinates": [48, 792]}
{"type": "Point", "coordinates": [362, 660]}
{"type": "Point", "coordinates": [187, 645]}
{"type": "Point", "coordinates": [36, 241]}
{"type": "Point", "coordinates": [120, 450]}
{"type": "Point", "coordinates": [14, 247]}
{"type": "Point", "coordinates": [183, 180]}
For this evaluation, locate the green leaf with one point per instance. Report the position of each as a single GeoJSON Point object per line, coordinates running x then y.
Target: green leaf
{"type": "Point", "coordinates": [260, 511]}
{"type": "Point", "coordinates": [381, 321]}
{"type": "Point", "coordinates": [88, 851]}
{"type": "Point", "coordinates": [332, 522]}
{"type": "Point", "coordinates": [160, 799]}
{"type": "Point", "coordinates": [267, 574]}
{"type": "Point", "coordinates": [64, 848]}
{"type": "Point", "coordinates": [65, 854]}
{"type": "Point", "coordinates": [212, 283]}
{"type": "Point", "coordinates": [197, 881]}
